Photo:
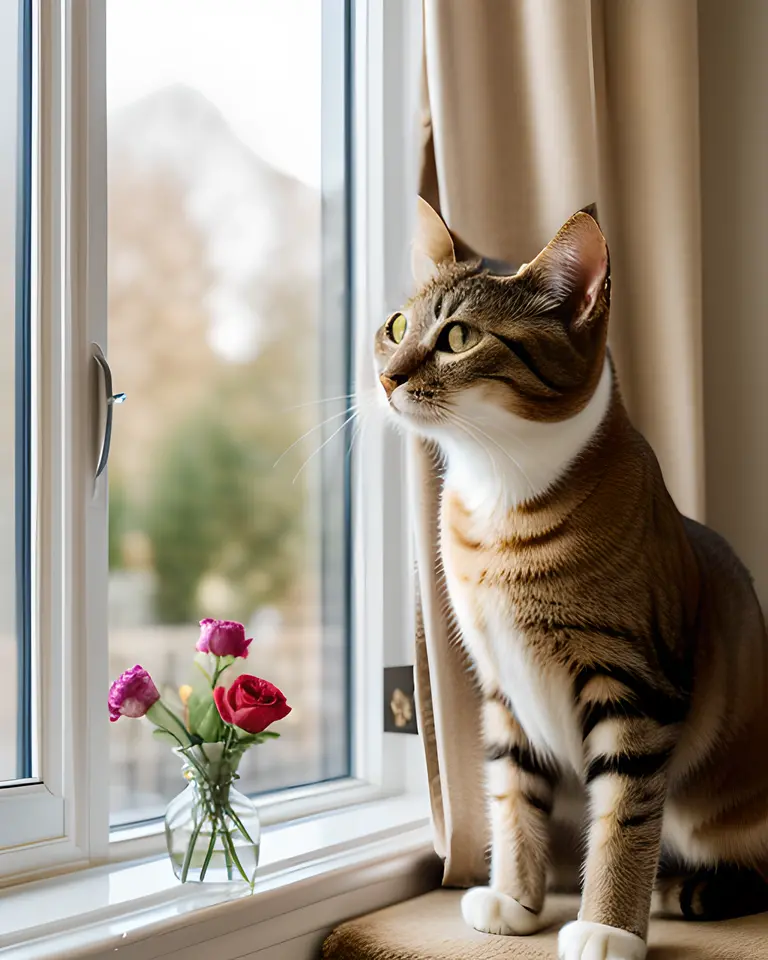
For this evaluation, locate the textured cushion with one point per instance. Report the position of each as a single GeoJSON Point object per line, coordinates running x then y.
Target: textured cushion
{"type": "Point", "coordinates": [431, 928]}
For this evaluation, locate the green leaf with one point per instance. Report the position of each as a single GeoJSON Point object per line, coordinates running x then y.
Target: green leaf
{"type": "Point", "coordinates": [165, 736]}
{"type": "Point", "coordinates": [248, 739]}
{"type": "Point", "coordinates": [210, 726]}
{"type": "Point", "coordinates": [166, 719]}
{"type": "Point", "coordinates": [198, 705]}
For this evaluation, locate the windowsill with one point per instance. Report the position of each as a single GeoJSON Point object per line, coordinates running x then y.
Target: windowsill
{"type": "Point", "coordinates": [284, 807]}
{"type": "Point", "coordinates": [120, 906]}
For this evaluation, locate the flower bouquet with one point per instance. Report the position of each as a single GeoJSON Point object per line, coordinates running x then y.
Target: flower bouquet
{"type": "Point", "coordinates": [212, 831]}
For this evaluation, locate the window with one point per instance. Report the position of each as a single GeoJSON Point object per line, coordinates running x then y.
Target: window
{"type": "Point", "coordinates": [218, 204]}
{"type": "Point", "coordinates": [15, 640]}
{"type": "Point", "coordinates": [228, 332]}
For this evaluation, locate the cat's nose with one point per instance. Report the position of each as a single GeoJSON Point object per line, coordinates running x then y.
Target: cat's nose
{"type": "Point", "coordinates": [392, 382]}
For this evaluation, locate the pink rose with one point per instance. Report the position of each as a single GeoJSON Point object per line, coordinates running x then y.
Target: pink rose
{"type": "Point", "coordinates": [251, 704]}
{"type": "Point", "coordinates": [223, 638]}
{"type": "Point", "coordinates": [132, 694]}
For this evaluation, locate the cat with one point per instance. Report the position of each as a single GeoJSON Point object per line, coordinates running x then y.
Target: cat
{"type": "Point", "coordinates": [619, 647]}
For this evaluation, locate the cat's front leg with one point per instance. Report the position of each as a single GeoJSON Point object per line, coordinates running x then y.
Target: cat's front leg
{"type": "Point", "coordinates": [520, 793]}
{"type": "Point", "coordinates": [627, 753]}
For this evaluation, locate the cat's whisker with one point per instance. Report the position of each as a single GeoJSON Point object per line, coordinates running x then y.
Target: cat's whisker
{"type": "Point", "coordinates": [512, 460]}
{"type": "Point", "coordinates": [317, 426]}
{"type": "Point", "coordinates": [466, 425]}
{"type": "Point", "coordinates": [516, 437]}
{"type": "Point", "coordinates": [507, 454]}
{"type": "Point", "coordinates": [355, 434]}
{"type": "Point", "coordinates": [314, 403]}
{"type": "Point", "coordinates": [483, 447]}
{"type": "Point", "coordinates": [323, 444]}
{"type": "Point", "coordinates": [363, 419]}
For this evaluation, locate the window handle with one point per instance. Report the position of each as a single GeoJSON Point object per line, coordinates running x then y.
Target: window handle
{"type": "Point", "coordinates": [111, 400]}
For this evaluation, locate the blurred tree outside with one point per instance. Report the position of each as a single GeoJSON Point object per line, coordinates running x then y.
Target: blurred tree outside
{"type": "Point", "coordinates": [202, 503]}
{"type": "Point", "coordinates": [214, 335]}
{"type": "Point", "coordinates": [215, 509]}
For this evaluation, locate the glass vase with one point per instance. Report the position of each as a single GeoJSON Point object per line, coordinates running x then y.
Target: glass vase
{"type": "Point", "coordinates": [212, 831]}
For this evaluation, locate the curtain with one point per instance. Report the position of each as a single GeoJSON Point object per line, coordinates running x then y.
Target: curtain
{"type": "Point", "coordinates": [533, 109]}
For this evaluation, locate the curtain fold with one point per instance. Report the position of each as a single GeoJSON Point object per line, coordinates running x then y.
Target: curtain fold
{"type": "Point", "coordinates": [448, 701]}
{"type": "Point", "coordinates": [532, 110]}
{"type": "Point", "coordinates": [647, 112]}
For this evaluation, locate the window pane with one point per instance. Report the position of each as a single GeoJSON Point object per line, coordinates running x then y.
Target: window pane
{"type": "Point", "coordinates": [15, 745]}
{"type": "Point", "coordinates": [227, 202]}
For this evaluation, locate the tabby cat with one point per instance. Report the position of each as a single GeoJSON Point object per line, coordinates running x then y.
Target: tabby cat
{"type": "Point", "coordinates": [619, 646]}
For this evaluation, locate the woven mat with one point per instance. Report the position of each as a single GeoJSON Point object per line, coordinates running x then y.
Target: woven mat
{"type": "Point", "coordinates": [431, 928]}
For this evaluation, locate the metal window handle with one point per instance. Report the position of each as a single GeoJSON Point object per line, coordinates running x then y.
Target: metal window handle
{"type": "Point", "coordinates": [111, 400]}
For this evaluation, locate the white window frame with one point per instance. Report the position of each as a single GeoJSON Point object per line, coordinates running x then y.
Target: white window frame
{"type": "Point", "coordinates": [63, 822]}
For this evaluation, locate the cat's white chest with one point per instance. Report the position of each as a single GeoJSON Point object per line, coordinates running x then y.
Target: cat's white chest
{"type": "Point", "coordinates": [521, 460]}
{"type": "Point", "coordinates": [541, 696]}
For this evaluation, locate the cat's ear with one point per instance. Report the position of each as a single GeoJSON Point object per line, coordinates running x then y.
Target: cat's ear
{"type": "Point", "coordinates": [573, 270]}
{"type": "Point", "coordinates": [591, 209]}
{"type": "Point", "coordinates": [432, 244]}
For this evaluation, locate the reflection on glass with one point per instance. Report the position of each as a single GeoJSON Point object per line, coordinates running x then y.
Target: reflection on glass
{"type": "Point", "coordinates": [217, 336]}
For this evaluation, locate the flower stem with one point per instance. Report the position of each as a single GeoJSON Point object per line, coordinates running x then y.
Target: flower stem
{"type": "Point", "coordinates": [239, 824]}
{"type": "Point", "coordinates": [209, 854]}
{"type": "Point", "coordinates": [217, 671]}
{"type": "Point", "coordinates": [227, 855]}
{"type": "Point", "coordinates": [228, 842]}
{"type": "Point", "coordinates": [189, 754]}
{"type": "Point", "coordinates": [190, 851]}
{"type": "Point", "coordinates": [204, 672]}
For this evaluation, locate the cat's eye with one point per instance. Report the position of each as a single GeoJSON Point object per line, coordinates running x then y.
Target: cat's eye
{"type": "Point", "coordinates": [456, 337]}
{"type": "Point", "coordinates": [396, 327]}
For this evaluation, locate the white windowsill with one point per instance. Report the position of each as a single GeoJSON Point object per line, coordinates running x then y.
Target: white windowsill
{"type": "Point", "coordinates": [340, 863]}
{"type": "Point", "coordinates": [140, 841]}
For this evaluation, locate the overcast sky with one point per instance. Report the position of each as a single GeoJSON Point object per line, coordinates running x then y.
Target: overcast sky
{"type": "Point", "coordinates": [257, 60]}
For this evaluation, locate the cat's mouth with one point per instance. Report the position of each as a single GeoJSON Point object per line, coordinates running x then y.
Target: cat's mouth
{"type": "Point", "coordinates": [418, 406]}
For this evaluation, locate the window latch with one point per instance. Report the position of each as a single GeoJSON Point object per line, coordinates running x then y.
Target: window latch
{"type": "Point", "coordinates": [111, 400]}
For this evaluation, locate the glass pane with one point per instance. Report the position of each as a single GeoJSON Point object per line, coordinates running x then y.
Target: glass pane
{"type": "Point", "coordinates": [227, 328]}
{"type": "Point", "coordinates": [15, 746]}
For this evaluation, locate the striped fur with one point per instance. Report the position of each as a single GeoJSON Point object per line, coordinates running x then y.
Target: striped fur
{"type": "Point", "coordinates": [620, 647]}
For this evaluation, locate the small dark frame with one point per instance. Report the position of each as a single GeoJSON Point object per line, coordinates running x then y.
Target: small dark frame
{"type": "Point", "coordinates": [399, 701]}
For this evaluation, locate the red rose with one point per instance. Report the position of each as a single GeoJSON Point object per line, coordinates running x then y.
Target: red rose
{"type": "Point", "coordinates": [251, 704]}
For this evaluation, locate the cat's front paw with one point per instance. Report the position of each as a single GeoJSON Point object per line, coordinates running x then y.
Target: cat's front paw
{"type": "Point", "coordinates": [583, 940]}
{"type": "Point", "coordinates": [491, 911]}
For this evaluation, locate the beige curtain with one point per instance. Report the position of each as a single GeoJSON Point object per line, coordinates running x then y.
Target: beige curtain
{"type": "Point", "coordinates": [534, 109]}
